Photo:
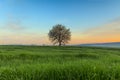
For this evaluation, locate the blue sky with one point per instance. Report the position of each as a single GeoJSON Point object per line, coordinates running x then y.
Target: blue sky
{"type": "Point", "coordinates": [38, 16]}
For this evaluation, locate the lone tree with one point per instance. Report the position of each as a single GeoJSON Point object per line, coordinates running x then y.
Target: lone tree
{"type": "Point", "coordinates": [59, 34]}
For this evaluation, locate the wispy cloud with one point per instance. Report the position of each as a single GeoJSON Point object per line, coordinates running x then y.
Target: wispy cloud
{"type": "Point", "coordinates": [112, 28]}
{"type": "Point", "coordinates": [109, 32]}
{"type": "Point", "coordinates": [27, 38]}
{"type": "Point", "coordinates": [14, 24]}
{"type": "Point", "coordinates": [13, 32]}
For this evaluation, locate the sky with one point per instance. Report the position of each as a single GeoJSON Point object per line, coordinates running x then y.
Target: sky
{"type": "Point", "coordinates": [29, 21]}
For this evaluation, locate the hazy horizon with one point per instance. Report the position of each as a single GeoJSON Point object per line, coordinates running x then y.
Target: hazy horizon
{"type": "Point", "coordinates": [29, 21]}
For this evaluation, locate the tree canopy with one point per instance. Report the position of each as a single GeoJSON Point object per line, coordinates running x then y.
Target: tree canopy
{"type": "Point", "coordinates": [59, 34]}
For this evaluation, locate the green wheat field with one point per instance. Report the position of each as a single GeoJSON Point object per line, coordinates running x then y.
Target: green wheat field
{"type": "Point", "coordinates": [59, 63]}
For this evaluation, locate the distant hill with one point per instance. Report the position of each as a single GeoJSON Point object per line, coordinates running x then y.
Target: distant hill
{"type": "Point", "coordinates": [110, 44]}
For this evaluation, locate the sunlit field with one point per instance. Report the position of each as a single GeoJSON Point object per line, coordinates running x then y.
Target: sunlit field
{"type": "Point", "coordinates": [59, 63]}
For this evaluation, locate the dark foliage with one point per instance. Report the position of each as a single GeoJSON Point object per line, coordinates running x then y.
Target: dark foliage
{"type": "Point", "coordinates": [59, 35]}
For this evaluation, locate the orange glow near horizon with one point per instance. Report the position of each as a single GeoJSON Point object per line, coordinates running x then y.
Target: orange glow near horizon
{"type": "Point", "coordinates": [95, 40]}
{"type": "Point", "coordinates": [105, 33]}
{"type": "Point", "coordinates": [45, 40]}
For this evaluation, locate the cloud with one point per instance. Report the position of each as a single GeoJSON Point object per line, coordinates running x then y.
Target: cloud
{"type": "Point", "coordinates": [112, 28]}
{"type": "Point", "coordinates": [109, 32]}
{"type": "Point", "coordinates": [14, 24]}
{"type": "Point", "coordinates": [28, 38]}
{"type": "Point", "coordinates": [13, 32]}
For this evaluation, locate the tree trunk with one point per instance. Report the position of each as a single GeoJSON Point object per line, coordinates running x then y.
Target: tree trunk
{"type": "Point", "coordinates": [59, 43]}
